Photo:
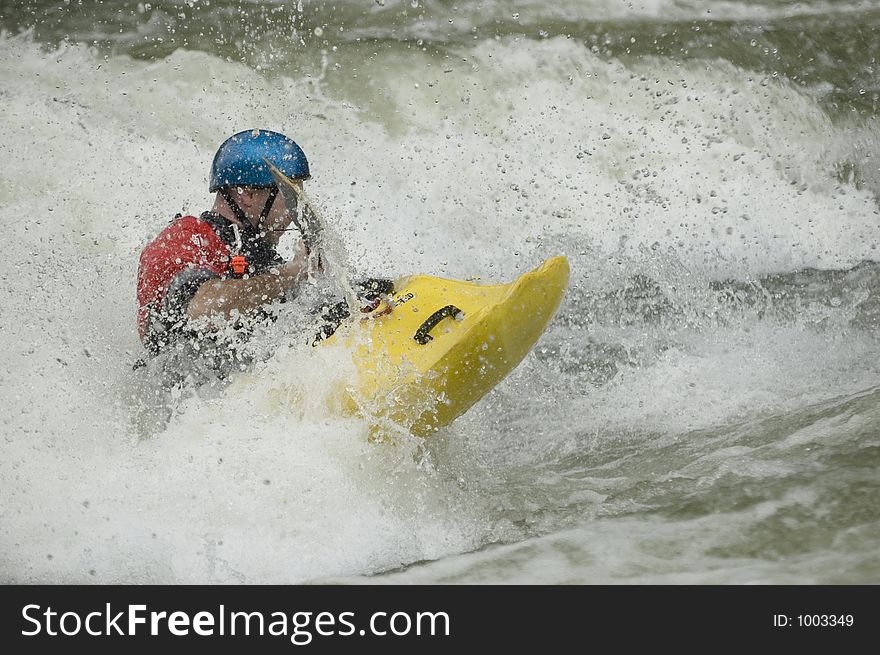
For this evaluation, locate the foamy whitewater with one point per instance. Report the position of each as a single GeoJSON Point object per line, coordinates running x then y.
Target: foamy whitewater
{"type": "Point", "coordinates": [704, 408]}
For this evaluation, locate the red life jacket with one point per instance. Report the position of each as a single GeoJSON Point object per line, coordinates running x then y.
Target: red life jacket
{"type": "Point", "coordinates": [185, 254]}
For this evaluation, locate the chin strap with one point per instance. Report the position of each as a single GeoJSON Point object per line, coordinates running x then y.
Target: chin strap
{"type": "Point", "coordinates": [239, 212]}
{"type": "Point", "coordinates": [273, 193]}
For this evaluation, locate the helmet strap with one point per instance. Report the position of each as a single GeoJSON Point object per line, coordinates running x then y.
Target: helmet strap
{"type": "Point", "coordinates": [268, 206]}
{"type": "Point", "coordinates": [239, 213]}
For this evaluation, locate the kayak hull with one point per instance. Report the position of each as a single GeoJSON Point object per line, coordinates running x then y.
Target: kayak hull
{"type": "Point", "coordinates": [438, 346]}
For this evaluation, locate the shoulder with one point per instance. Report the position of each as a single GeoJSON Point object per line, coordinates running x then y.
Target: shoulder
{"type": "Point", "coordinates": [185, 232]}
{"type": "Point", "coordinates": [183, 225]}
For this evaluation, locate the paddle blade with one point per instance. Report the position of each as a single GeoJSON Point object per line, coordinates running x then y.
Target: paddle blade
{"type": "Point", "coordinates": [304, 216]}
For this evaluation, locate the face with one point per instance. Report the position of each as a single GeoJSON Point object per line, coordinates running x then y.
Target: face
{"type": "Point", "coordinates": [252, 201]}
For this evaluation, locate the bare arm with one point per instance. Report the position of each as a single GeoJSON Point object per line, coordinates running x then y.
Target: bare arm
{"type": "Point", "coordinates": [222, 298]}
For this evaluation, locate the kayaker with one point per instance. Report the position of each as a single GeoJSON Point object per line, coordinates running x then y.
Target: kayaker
{"type": "Point", "coordinates": [201, 273]}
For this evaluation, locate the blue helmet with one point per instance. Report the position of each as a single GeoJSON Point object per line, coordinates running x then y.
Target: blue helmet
{"type": "Point", "coordinates": [239, 160]}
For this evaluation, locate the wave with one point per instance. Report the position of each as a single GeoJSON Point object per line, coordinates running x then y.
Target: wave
{"type": "Point", "coordinates": [706, 210]}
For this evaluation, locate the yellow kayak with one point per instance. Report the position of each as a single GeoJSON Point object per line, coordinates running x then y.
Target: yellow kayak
{"type": "Point", "coordinates": [434, 347]}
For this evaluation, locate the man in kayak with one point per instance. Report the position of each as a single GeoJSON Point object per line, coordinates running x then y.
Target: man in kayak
{"type": "Point", "coordinates": [202, 274]}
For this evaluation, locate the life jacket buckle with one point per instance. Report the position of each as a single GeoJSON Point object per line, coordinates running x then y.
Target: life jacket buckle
{"type": "Point", "coordinates": [238, 264]}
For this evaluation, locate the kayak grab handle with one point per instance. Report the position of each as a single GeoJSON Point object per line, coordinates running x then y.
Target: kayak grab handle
{"type": "Point", "coordinates": [422, 336]}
